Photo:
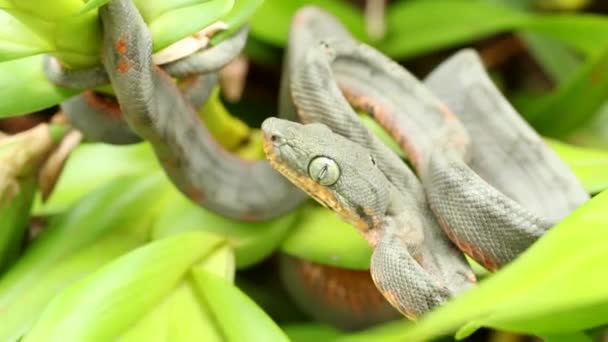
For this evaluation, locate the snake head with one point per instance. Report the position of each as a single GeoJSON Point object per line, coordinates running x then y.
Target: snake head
{"type": "Point", "coordinates": [335, 171]}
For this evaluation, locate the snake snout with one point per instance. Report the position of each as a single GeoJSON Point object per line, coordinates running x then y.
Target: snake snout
{"type": "Point", "coordinates": [271, 129]}
{"type": "Point", "coordinates": [277, 131]}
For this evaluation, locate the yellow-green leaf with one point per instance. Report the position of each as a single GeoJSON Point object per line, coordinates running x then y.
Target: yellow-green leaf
{"type": "Point", "coordinates": [103, 305]}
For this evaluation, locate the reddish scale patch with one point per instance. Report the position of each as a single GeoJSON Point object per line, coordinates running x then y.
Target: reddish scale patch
{"type": "Point", "coordinates": [460, 141]}
{"type": "Point", "coordinates": [103, 104]}
{"type": "Point", "coordinates": [386, 120]}
{"type": "Point", "coordinates": [170, 162]}
{"type": "Point", "coordinates": [249, 217]}
{"type": "Point", "coordinates": [347, 290]}
{"type": "Point", "coordinates": [195, 194]}
{"type": "Point", "coordinates": [485, 260]}
{"type": "Point", "coordinates": [121, 46]}
{"type": "Point", "coordinates": [123, 66]}
{"type": "Point", "coordinates": [447, 113]}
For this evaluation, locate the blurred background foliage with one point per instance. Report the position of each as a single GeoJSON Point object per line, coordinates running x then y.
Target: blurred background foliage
{"type": "Point", "coordinates": [116, 251]}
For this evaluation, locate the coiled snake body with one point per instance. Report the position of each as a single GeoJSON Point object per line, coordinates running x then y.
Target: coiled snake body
{"type": "Point", "coordinates": [484, 181]}
{"type": "Point", "coordinates": [492, 184]}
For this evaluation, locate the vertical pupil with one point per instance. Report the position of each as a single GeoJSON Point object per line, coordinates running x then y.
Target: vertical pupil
{"type": "Point", "coordinates": [323, 171]}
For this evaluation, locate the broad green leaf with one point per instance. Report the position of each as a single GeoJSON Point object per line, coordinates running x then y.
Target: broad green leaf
{"type": "Point", "coordinates": [238, 16]}
{"type": "Point", "coordinates": [47, 10]}
{"type": "Point", "coordinates": [557, 60]}
{"type": "Point", "coordinates": [14, 221]}
{"type": "Point", "coordinates": [262, 53]}
{"type": "Point", "coordinates": [417, 27]}
{"type": "Point", "coordinates": [382, 134]}
{"type": "Point", "coordinates": [116, 207]}
{"type": "Point", "coordinates": [272, 20]}
{"type": "Point", "coordinates": [26, 89]}
{"type": "Point", "coordinates": [322, 237]}
{"type": "Point", "coordinates": [237, 316]}
{"type": "Point", "coordinates": [227, 130]}
{"type": "Point", "coordinates": [74, 29]}
{"type": "Point", "coordinates": [77, 40]}
{"type": "Point", "coordinates": [103, 305]}
{"type": "Point", "coordinates": [182, 20]}
{"type": "Point", "coordinates": [252, 241]}
{"type": "Point", "coordinates": [93, 165]}
{"type": "Point", "coordinates": [575, 101]}
{"type": "Point", "coordinates": [594, 133]}
{"type": "Point", "coordinates": [554, 288]}
{"type": "Point", "coordinates": [93, 4]}
{"type": "Point", "coordinates": [22, 307]}
{"type": "Point", "coordinates": [180, 317]}
{"type": "Point", "coordinates": [220, 262]}
{"type": "Point", "coordinates": [305, 332]}
{"type": "Point", "coordinates": [589, 165]}
{"type": "Point", "coordinates": [587, 33]}
{"type": "Point", "coordinates": [18, 40]}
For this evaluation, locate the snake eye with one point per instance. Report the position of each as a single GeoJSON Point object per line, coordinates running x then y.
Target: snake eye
{"type": "Point", "coordinates": [324, 170]}
{"type": "Point", "coordinates": [372, 159]}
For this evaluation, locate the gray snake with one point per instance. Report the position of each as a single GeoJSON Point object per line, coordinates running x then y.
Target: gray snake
{"type": "Point", "coordinates": [466, 143]}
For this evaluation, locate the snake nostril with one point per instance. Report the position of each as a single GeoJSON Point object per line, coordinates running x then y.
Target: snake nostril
{"type": "Point", "coordinates": [274, 138]}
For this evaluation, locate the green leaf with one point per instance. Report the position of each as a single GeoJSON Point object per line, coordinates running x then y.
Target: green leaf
{"type": "Point", "coordinates": [92, 165]}
{"type": "Point", "coordinates": [305, 332]}
{"type": "Point", "coordinates": [180, 317]}
{"type": "Point", "coordinates": [236, 315]}
{"type": "Point", "coordinates": [382, 134]}
{"type": "Point", "coordinates": [589, 165]}
{"type": "Point", "coordinates": [262, 53]}
{"type": "Point", "coordinates": [93, 4]}
{"type": "Point", "coordinates": [272, 20]}
{"type": "Point", "coordinates": [253, 242]}
{"type": "Point", "coordinates": [114, 208]}
{"type": "Point", "coordinates": [106, 303]}
{"type": "Point", "coordinates": [593, 133]}
{"type": "Point", "coordinates": [23, 306]}
{"type": "Point", "coordinates": [587, 33]}
{"type": "Point", "coordinates": [553, 288]}
{"type": "Point", "coordinates": [322, 237]}
{"type": "Point", "coordinates": [18, 40]}
{"type": "Point", "coordinates": [417, 27]}
{"type": "Point", "coordinates": [24, 79]}
{"type": "Point", "coordinates": [558, 61]}
{"type": "Point", "coordinates": [182, 20]}
{"type": "Point", "coordinates": [575, 101]}
{"type": "Point", "coordinates": [14, 221]}
{"type": "Point", "coordinates": [238, 16]}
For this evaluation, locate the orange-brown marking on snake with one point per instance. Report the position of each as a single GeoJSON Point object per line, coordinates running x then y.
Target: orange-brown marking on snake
{"type": "Point", "coordinates": [195, 194]}
{"type": "Point", "coordinates": [121, 46]}
{"type": "Point", "coordinates": [474, 252]}
{"type": "Point", "coordinates": [385, 118]}
{"type": "Point", "coordinates": [103, 104]}
{"type": "Point", "coordinates": [351, 290]}
{"type": "Point", "coordinates": [122, 66]}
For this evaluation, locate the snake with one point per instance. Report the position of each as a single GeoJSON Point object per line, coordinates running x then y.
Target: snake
{"type": "Point", "coordinates": [482, 182]}
{"type": "Point", "coordinates": [154, 109]}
